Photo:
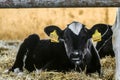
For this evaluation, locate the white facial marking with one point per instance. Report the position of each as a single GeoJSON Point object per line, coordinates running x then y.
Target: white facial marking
{"type": "Point", "coordinates": [75, 27]}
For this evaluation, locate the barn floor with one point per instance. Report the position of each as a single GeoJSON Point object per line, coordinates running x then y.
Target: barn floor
{"type": "Point", "coordinates": [8, 51]}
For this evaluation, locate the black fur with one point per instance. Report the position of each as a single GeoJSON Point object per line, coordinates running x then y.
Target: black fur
{"type": "Point", "coordinates": [42, 54]}
{"type": "Point", "coordinates": [104, 47]}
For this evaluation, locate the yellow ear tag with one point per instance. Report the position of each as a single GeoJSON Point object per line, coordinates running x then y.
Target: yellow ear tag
{"type": "Point", "coordinates": [54, 36]}
{"type": "Point", "coordinates": [96, 36]}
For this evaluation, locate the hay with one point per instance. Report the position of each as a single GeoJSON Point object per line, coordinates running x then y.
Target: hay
{"type": "Point", "coordinates": [7, 58]}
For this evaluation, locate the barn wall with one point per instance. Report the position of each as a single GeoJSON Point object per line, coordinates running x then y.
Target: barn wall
{"type": "Point", "coordinates": [19, 23]}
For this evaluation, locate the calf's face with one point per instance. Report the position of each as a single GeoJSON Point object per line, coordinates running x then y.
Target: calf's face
{"type": "Point", "coordinates": [75, 38]}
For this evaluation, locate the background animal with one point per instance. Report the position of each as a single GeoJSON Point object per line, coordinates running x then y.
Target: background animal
{"type": "Point", "coordinates": [104, 47]}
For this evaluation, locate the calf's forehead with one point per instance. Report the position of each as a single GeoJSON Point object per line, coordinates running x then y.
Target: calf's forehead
{"type": "Point", "coordinates": [75, 27]}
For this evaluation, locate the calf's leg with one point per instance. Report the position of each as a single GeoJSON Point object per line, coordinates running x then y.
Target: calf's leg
{"type": "Point", "coordinates": [27, 46]}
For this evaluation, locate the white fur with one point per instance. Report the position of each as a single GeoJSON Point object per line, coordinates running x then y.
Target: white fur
{"type": "Point", "coordinates": [75, 27]}
{"type": "Point", "coordinates": [116, 44]}
{"type": "Point", "coordinates": [75, 59]}
{"type": "Point", "coordinates": [77, 62]}
{"type": "Point", "coordinates": [24, 60]}
{"type": "Point", "coordinates": [66, 48]}
{"type": "Point", "coordinates": [38, 71]}
{"type": "Point", "coordinates": [16, 70]}
{"type": "Point", "coordinates": [94, 43]}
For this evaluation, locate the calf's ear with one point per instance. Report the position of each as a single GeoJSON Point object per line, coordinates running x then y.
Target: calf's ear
{"type": "Point", "coordinates": [95, 35]}
{"type": "Point", "coordinates": [54, 32]}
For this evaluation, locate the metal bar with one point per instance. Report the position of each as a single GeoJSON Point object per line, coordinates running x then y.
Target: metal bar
{"type": "Point", "coordinates": [57, 3]}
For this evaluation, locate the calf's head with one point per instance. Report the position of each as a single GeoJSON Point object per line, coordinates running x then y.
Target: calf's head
{"type": "Point", "coordinates": [76, 38]}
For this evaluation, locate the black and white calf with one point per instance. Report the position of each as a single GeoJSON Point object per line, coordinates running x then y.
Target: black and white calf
{"type": "Point", "coordinates": [74, 50]}
{"type": "Point", "coordinates": [104, 47]}
{"type": "Point", "coordinates": [79, 47]}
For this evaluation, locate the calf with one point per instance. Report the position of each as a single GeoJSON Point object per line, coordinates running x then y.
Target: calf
{"type": "Point", "coordinates": [116, 43]}
{"type": "Point", "coordinates": [104, 46]}
{"type": "Point", "coordinates": [36, 54]}
{"type": "Point", "coordinates": [79, 48]}
{"type": "Point", "coordinates": [72, 49]}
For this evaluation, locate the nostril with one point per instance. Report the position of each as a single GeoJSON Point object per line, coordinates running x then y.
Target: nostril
{"type": "Point", "coordinates": [75, 53]}
{"type": "Point", "coordinates": [75, 57]}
